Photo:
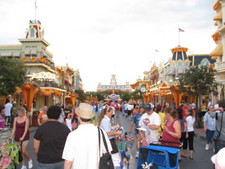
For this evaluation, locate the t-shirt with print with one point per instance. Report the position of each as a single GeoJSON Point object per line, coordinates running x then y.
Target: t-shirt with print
{"type": "Point", "coordinates": [43, 117]}
{"type": "Point", "coordinates": [152, 119]}
{"type": "Point", "coordinates": [52, 136]}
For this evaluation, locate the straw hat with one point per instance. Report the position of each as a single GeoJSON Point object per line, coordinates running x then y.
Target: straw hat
{"type": "Point", "coordinates": [85, 111]}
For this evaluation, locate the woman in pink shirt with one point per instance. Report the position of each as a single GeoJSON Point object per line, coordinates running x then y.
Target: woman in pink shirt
{"type": "Point", "coordinates": [172, 128]}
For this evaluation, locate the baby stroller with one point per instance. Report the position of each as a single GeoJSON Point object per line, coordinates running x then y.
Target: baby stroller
{"type": "Point", "coordinates": [11, 147]}
{"type": "Point", "coordinates": [124, 145]}
{"type": "Point", "coordinates": [156, 156]}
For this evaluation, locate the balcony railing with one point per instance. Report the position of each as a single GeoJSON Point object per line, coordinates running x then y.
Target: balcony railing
{"type": "Point", "coordinates": [49, 84]}
{"type": "Point", "coordinates": [220, 66]}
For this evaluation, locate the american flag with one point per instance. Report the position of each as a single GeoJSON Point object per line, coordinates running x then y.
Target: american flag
{"type": "Point", "coordinates": [35, 3]}
{"type": "Point", "coordinates": [181, 30]}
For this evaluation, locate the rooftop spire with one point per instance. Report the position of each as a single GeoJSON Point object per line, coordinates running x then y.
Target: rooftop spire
{"type": "Point", "coordinates": [35, 6]}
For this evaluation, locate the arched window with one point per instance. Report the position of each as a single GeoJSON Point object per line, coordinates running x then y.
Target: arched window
{"type": "Point", "coordinates": [205, 62]}
{"type": "Point", "coordinates": [32, 33]}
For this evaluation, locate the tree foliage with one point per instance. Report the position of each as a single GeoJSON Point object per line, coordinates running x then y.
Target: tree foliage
{"type": "Point", "coordinates": [81, 95]}
{"type": "Point", "coordinates": [198, 81]}
{"type": "Point", "coordinates": [125, 96]}
{"type": "Point", "coordinates": [137, 94]}
{"type": "Point", "coordinates": [12, 75]}
{"type": "Point", "coordinates": [100, 96]}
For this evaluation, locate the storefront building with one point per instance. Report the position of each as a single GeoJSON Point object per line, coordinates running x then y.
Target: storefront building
{"type": "Point", "coordinates": [45, 83]}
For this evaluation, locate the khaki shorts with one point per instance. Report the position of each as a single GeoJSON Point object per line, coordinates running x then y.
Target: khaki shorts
{"type": "Point", "coordinates": [24, 143]}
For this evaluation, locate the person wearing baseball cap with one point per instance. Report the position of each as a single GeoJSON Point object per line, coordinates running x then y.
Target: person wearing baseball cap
{"type": "Point", "coordinates": [82, 148]}
{"type": "Point", "coordinates": [152, 120]}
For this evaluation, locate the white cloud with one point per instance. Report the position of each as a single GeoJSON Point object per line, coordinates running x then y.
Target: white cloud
{"type": "Point", "coordinates": [102, 37]}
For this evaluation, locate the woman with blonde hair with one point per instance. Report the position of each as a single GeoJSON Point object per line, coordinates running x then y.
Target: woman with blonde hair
{"type": "Point", "coordinates": [105, 123]}
{"type": "Point", "coordinates": [22, 135]}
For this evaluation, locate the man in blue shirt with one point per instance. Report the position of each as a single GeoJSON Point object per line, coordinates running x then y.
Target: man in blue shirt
{"type": "Point", "coordinates": [209, 126]}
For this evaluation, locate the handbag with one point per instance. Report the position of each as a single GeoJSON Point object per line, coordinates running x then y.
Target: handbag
{"type": "Point", "coordinates": [105, 161]}
{"type": "Point", "coordinates": [217, 133]}
{"type": "Point", "coordinates": [20, 157]}
{"type": "Point", "coordinates": [114, 146]}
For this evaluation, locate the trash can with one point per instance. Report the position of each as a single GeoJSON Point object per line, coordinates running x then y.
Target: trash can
{"type": "Point", "coordinates": [35, 118]}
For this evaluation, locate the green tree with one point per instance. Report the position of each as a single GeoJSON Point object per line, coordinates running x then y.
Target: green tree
{"type": "Point", "coordinates": [12, 75]}
{"type": "Point", "coordinates": [137, 94]}
{"type": "Point", "coordinates": [100, 96]}
{"type": "Point", "coordinates": [199, 80]}
{"type": "Point", "coordinates": [125, 96]}
{"type": "Point", "coordinates": [81, 95]}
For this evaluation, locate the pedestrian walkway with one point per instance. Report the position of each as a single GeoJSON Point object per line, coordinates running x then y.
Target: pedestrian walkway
{"type": "Point", "coordinates": [125, 123]}
{"type": "Point", "coordinates": [201, 156]}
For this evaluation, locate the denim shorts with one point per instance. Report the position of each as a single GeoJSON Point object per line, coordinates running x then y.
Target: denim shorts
{"type": "Point", "coordinates": [59, 165]}
{"type": "Point", "coordinates": [209, 135]}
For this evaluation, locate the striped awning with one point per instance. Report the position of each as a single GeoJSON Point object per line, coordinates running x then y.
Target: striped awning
{"type": "Point", "coordinates": [27, 51]}
{"type": "Point", "coordinates": [218, 16]}
{"type": "Point", "coordinates": [218, 51]}
{"type": "Point", "coordinates": [6, 53]}
{"type": "Point", "coordinates": [33, 50]}
{"type": "Point", "coordinates": [16, 54]}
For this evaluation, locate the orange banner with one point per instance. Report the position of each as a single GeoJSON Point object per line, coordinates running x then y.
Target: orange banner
{"type": "Point", "coordinates": [46, 92]}
{"type": "Point", "coordinates": [29, 91]}
{"type": "Point", "coordinates": [57, 93]}
{"type": "Point", "coordinates": [176, 95]}
{"type": "Point", "coordinates": [73, 99]}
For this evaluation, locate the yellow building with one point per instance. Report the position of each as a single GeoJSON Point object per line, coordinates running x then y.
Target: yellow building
{"type": "Point", "coordinates": [218, 53]}
{"type": "Point", "coordinates": [45, 84]}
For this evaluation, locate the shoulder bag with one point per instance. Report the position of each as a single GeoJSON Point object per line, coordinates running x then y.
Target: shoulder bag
{"type": "Point", "coordinates": [217, 133]}
{"type": "Point", "coordinates": [105, 161]}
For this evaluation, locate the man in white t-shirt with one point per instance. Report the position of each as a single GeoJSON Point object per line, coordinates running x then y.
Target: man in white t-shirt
{"type": "Point", "coordinates": [8, 107]}
{"type": "Point", "coordinates": [81, 150]}
{"type": "Point", "coordinates": [152, 120]}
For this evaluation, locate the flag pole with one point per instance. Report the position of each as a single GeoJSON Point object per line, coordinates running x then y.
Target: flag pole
{"type": "Point", "coordinates": [35, 5]}
{"type": "Point", "coordinates": [178, 36]}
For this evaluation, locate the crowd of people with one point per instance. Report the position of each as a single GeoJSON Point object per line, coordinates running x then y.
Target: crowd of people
{"type": "Point", "coordinates": [177, 124]}
{"type": "Point", "coordinates": [68, 138]}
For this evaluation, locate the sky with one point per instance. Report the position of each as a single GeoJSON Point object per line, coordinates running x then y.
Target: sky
{"type": "Point", "coordinates": [105, 37]}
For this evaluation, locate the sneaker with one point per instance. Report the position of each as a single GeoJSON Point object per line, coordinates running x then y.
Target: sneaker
{"type": "Point", "coordinates": [207, 147]}
{"type": "Point", "coordinates": [24, 167]}
{"type": "Point", "coordinates": [30, 164]}
{"type": "Point", "coordinates": [137, 154]}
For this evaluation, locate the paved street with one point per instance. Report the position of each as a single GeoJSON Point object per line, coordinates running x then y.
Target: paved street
{"type": "Point", "coordinates": [201, 157]}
